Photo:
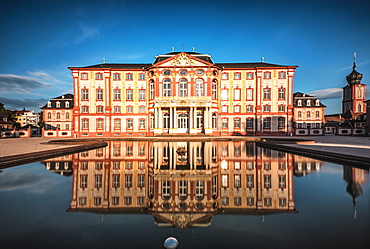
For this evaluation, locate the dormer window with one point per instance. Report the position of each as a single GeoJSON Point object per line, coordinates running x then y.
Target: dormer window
{"type": "Point", "coordinates": [67, 104]}
{"type": "Point", "coordinates": [317, 102]}
{"type": "Point", "coordinates": [308, 102]}
{"type": "Point", "coordinates": [299, 102]}
{"type": "Point", "coordinates": [49, 104]}
{"type": "Point", "coordinates": [58, 104]}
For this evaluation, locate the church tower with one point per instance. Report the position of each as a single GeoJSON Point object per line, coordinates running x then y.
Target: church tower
{"type": "Point", "coordinates": [354, 94]}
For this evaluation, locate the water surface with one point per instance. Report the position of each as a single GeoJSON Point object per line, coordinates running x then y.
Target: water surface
{"type": "Point", "coordinates": [206, 194]}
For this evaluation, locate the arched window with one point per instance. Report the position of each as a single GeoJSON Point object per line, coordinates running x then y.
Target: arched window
{"type": "Point", "coordinates": [214, 120]}
{"type": "Point", "coordinates": [67, 115]}
{"type": "Point", "coordinates": [49, 115]}
{"type": "Point", "coordinates": [214, 89]}
{"type": "Point", "coordinates": [200, 120]}
{"type": "Point", "coordinates": [359, 108]}
{"type": "Point", "coordinates": [166, 120]}
{"type": "Point", "coordinates": [151, 89]}
{"type": "Point", "coordinates": [166, 87]}
{"type": "Point", "coordinates": [299, 114]}
{"type": "Point", "coordinates": [199, 85]}
{"type": "Point", "coordinates": [183, 88]}
{"type": "Point", "coordinates": [58, 115]}
{"type": "Point", "coordinates": [299, 103]}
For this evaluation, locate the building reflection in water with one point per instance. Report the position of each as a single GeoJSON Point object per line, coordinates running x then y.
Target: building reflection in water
{"type": "Point", "coordinates": [184, 184]}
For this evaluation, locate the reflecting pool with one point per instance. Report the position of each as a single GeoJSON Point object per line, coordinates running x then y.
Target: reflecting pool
{"type": "Point", "coordinates": [205, 194]}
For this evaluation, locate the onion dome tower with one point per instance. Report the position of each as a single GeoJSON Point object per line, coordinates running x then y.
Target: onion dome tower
{"type": "Point", "coordinates": [354, 94]}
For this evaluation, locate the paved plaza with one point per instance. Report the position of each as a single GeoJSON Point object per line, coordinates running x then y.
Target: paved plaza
{"type": "Point", "coordinates": [347, 145]}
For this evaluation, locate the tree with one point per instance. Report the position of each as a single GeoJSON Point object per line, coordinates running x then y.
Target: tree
{"type": "Point", "coordinates": [6, 112]}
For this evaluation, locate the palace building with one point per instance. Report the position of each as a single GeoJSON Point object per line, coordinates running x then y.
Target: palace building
{"type": "Point", "coordinates": [183, 93]}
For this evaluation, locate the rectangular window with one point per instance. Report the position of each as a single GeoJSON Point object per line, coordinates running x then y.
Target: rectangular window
{"type": "Point", "coordinates": [249, 108]}
{"type": "Point", "coordinates": [99, 109]}
{"type": "Point", "coordinates": [128, 165]}
{"type": "Point", "coordinates": [281, 108]}
{"type": "Point", "coordinates": [141, 109]}
{"type": "Point", "coordinates": [98, 76]}
{"type": "Point", "coordinates": [237, 201]}
{"type": "Point", "coordinates": [249, 94]}
{"type": "Point", "coordinates": [250, 181]}
{"type": "Point", "coordinates": [85, 124]}
{"type": "Point", "coordinates": [282, 75]}
{"type": "Point", "coordinates": [266, 108]}
{"type": "Point", "coordinates": [224, 108]}
{"type": "Point", "coordinates": [224, 94]}
{"type": "Point", "coordinates": [117, 109]}
{"type": "Point", "coordinates": [130, 94]}
{"type": "Point", "coordinates": [84, 76]}
{"type": "Point", "coordinates": [224, 123]}
{"type": "Point", "coordinates": [250, 201]}
{"type": "Point", "coordinates": [237, 123]}
{"type": "Point", "coordinates": [142, 124]}
{"type": "Point", "coordinates": [267, 75]}
{"type": "Point", "coordinates": [237, 108]}
{"type": "Point", "coordinates": [127, 200]}
{"type": "Point", "coordinates": [141, 94]}
{"type": "Point", "coordinates": [237, 76]}
{"type": "Point", "coordinates": [117, 124]}
{"type": "Point", "coordinates": [82, 201]}
{"type": "Point", "coordinates": [225, 181]}
{"type": "Point", "coordinates": [98, 181]}
{"type": "Point", "coordinates": [116, 76]}
{"type": "Point", "coordinates": [117, 94]}
{"type": "Point", "coordinates": [128, 181]}
{"type": "Point", "coordinates": [237, 181]}
{"type": "Point", "coordinates": [249, 123]}
{"type": "Point", "coordinates": [266, 93]}
{"type": "Point", "coordinates": [282, 202]}
{"type": "Point", "coordinates": [85, 94]}
{"type": "Point", "coordinates": [267, 123]}
{"type": "Point", "coordinates": [116, 150]}
{"type": "Point", "coordinates": [116, 165]}
{"type": "Point", "coordinates": [116, 181]}
{"type": "Point", "coordinates": [83, 181]}
{"type": "Point", "coordinates": [115, 200]}
{"type": "Point", "coordinates": [249, 76]}
{"type": "Point", "coordinates": [130, 123]}
{"type": "Point", "coordinates": [267, 181]}
{"type": "Point", "coordinates": [84, 109]}
{"type": "Point", "coordinates": [130, 109]}
{"type": "Point", "coordinates": [99, 124]}
{"type": "Point", "coordinates": [142, 76]}
{"type": "Point", "coordinates": [225, 76]}
{"type": "Point", "coordinates": [281, 122]}
{"type": "Point", "coordinates": [237, 94]}
{"type": "Point", "coordinates": [141, 181]}
{"type": "Point", "coordinates": [99, 94]}
{"type": "Point", "coordinates": [129, 76]}
{"type": "Point", "coordinates": [282, 181]}
{"type": "Point", "coordinates": [142, 164]}
{"type": "Point", "coordinates": [97, 201]}
{"type": "Point", "coordinates": [281, 93]}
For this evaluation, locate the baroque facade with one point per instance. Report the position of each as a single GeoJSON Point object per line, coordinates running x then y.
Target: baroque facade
{"type": "Point", "coordinates": [57, 116]}
{"type": "Point", "coordinates": [183, 93]}
{"type": "Point", "coordinates": [308, 115]}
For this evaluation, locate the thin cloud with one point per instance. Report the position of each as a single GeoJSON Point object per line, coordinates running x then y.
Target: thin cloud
{"type": "Point", "coordinates": [357, 64]}
{"type": "Point", "coordinates": [26, 84]}
{"type": "Point", "coordinates": [329, 93]}
{"type": "Point", "coordinates": [19, 104]}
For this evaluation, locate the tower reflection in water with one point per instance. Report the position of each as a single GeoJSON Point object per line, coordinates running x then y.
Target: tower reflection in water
{"type": "Point", "coordinates": [183, 184]}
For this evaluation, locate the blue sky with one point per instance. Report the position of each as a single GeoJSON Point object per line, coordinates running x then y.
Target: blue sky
{"type": "Point", "coordinates": [41, 39]}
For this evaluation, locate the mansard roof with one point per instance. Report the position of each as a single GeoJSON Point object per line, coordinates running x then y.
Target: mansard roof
{"type": "Point", "coordinates": [62, 100]}
{"type": "Point", "coordinates": [304, 98]}
{"type": "Point", "coordinates": [117, 66]}
{"type": "Point", "coordinates": [251, 65]}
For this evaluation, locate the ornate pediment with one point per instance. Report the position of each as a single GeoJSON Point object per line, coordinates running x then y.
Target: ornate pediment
{"type": "Point", "coordinates": [183, 60]}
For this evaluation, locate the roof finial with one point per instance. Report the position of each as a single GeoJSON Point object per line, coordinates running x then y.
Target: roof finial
{"type": "Point", "coordinates": [173, 49]}
{"type": "Point", "coordinates": [104, 60]}
{"type": "Point", "coordinates": [354, 61]}
{"type": "Point", "coordinates": [193, 49]}
{"type": "Point", "coordinates": [262, 59]}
